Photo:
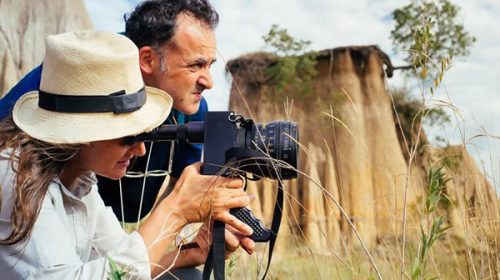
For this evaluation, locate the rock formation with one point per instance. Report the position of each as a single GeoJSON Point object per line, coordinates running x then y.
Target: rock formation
{"type": "Point", "coordinates": [23, 29]}
{"type": "Point", "coordinates": [353, 154]}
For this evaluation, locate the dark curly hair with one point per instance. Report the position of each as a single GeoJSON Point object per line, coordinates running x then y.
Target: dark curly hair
{"type": "Point", "coordinates": [152, 23]}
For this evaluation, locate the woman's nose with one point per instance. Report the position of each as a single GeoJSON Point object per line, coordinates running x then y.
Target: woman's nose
{"type": "Point", "coordinates": [138, 149]}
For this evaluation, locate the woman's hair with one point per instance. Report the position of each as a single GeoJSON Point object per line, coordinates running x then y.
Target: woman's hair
{"type": "Point", "coordinates": [36, 164]}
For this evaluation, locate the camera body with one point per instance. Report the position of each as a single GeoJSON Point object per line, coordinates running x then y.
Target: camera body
{"type": "Point", "coordinates": [234, 146]}
{"type": "Point", "coordinates": [221, 135]}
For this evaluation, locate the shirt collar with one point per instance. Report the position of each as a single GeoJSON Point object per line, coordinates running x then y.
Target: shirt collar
{"type": "Point", "coordinates": [83, 184]}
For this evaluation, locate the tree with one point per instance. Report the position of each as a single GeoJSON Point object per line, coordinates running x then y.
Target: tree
{"type": "Point", "coordinates": [295, 67]}
{"type": "Point", "coordinates": [429, 30]}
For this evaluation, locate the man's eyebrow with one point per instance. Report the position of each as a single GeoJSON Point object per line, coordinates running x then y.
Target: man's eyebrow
{"type": "Point", "coordinates": [202, 60]}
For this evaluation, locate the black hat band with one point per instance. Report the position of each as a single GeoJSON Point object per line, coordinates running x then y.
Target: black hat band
{"type": "Point", "coordinates": [118, 102]}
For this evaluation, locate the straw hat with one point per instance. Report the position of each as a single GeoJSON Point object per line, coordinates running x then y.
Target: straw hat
{"type": "Point", "coordinates": [91, 89]}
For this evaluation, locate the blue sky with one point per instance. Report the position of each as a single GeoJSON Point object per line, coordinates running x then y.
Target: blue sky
{"type": "Point", "coordinates": [472, 85]}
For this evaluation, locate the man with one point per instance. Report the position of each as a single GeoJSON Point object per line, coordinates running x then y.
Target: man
{"type": "Point", "coordinates": [176, 42]}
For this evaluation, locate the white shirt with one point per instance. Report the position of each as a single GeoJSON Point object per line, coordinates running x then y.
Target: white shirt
{"type": "Point", "coordinates": [73, 237]}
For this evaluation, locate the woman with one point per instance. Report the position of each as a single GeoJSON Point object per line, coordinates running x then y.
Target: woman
{"type": "Point", "coordinates": [53, 224]}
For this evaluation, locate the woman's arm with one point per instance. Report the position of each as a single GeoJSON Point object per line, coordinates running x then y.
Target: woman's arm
{"type": "Point", "coordinates": [195, 198]}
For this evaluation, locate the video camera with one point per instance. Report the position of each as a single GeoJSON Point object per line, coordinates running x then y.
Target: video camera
{"type": "Point", "coordinates": [235, 146]}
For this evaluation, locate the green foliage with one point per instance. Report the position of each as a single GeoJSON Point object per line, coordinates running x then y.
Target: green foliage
{"type": "Point", "coordinates": [435, 228]}
{"type": "Point", "coordinates": [436, 194]}
{"type": "Point", "coordinates": [430, 30]}
{"type": "Point", "coordinates": [284, 44]}
{"type": "Point", "coordinates": [116, 272]}
{"type": "Point", "coordinates": [437, 231]}
{"type": "Point", "coordinates": [295, 68]}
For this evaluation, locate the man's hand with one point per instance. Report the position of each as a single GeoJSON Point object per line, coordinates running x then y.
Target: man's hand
{"type": "Point", "coordinates": [198, 197]}
{"type": "Point", "coordinates": [235, 239]}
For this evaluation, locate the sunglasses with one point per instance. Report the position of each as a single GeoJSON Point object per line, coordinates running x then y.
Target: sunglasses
{"type": "Point", "coordinates": [129, 141]}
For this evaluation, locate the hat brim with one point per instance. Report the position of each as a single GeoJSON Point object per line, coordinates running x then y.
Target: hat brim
{"type": "Point", "coordinates": [72, 128]}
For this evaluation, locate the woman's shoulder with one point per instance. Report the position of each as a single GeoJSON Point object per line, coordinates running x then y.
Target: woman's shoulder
{"type": "Point", "coordinates": [6, 154]}
{"type": "Point", "coordinates": [7, 179]}
{"type": "Point", "coordinates": [6, 169]}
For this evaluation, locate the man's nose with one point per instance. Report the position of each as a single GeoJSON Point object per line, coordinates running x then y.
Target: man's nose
{"type": "Point", "coordinates": [205, 80]}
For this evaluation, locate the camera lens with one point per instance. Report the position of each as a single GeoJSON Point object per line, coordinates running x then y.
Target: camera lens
{"type": "Point", "coordinates": [278, 140]}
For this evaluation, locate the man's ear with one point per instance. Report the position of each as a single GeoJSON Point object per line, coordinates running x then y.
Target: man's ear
{"type": "Point", "coordinates": [147, 59]}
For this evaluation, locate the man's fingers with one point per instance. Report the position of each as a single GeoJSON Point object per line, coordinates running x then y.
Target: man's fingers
{"type": "Point", "coordinates": [232, 241]}
{"type": "Point", "coordinates": [235, 223]}
{"type": "Point", "coordinates": [239, 201]}
{"type": "Point", "coordinates": [247, 244]}
{"type": "Point", "coordinates": [232, 183]}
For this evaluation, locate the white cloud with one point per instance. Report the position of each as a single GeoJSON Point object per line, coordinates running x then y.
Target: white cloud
{"type": "Point", "coordinates": [108, 15]}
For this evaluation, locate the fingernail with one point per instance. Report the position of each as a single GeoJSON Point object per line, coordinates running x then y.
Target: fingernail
{"type": "Point", "coordinates": [246, 250]}
{"type": "Point", "coordinates": [252, 196]}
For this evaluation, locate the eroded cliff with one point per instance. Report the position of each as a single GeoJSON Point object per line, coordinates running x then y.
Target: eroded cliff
{"type": "Point", "coordinates": [353, 155]}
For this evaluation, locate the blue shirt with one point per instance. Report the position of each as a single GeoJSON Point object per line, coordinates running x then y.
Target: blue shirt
{"type": "Point", "coordinates": [184, 155]}
{"type": "Point", "coordinates": [29, 83]}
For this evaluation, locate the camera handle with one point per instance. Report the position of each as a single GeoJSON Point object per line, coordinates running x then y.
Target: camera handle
{"type": "Point", "coordinates": [215, 259]}
{"type": "Point", "coordinates": [260, 232]}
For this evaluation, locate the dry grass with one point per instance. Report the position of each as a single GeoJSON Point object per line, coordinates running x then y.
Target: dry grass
{"type": "Point", "coordinates": [459, 239]}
